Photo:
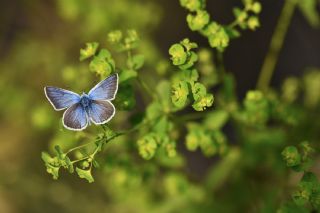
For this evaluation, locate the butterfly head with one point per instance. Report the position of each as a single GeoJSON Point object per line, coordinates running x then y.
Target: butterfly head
{"type": "Point", "coordinates": [85, 100]}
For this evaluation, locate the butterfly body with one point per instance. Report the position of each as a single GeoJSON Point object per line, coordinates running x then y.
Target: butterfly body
{"type": "Point", "coordinates": [95, 107]}
{"type": "Point", "coordinates": [85, 101]}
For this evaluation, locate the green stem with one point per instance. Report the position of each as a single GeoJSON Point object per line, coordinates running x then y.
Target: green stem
{"type": "Point", "coordinates": [276, 44]}
{"type": "Point", "coordinates": [146, 88]}
{"type": "Point", "coordinates": [79, 147]}
{"type": "Point", "coordinates": [81, 159]}
{"type": "Point", "coordinates": [143, 85]}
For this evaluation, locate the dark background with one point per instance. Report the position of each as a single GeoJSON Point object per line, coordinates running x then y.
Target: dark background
{"type": "Point", "coordinates": [24, 184]}
{"type": "Point", "coordinates": [244, 57]}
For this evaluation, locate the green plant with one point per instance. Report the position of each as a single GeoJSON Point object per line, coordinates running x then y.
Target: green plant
{"type": "Point", "coordinates": [193, 102]}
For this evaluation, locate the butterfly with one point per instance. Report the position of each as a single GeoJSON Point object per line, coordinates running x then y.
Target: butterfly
{"type": "Point", "coordinates": [81, 110]}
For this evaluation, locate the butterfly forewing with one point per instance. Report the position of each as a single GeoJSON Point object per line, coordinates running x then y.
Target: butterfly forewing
{"type": "Point", "coordinates": [106, 89]}
{"type": "Point", "coordinates": [101, 112]}
{"type": "Point", "coordinates": [61, 98]}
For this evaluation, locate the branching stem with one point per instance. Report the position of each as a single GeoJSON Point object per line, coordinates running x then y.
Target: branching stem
{"type": "Point", "coordinates": [276, 44]}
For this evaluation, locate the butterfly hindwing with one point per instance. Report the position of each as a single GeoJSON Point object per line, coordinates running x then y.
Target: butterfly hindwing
{"type": "Point", "coordinates": [101, 112]}
{"type": "Point", "coordinates": [75, 118]}
{"type": "Point", "coordinates": [61, 98]}
{"type": "Point", "coordinates": [106, 89]}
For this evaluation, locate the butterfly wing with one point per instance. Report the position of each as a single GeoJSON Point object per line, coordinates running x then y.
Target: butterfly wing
{"type": "Point", "coordinates": [75, 118]}
{"type": "Point", "coordinates": [61, 98]}
{"type": "Point", "coordinates": [100, 112]}
{"type": "Point", "coordinates": [106, 89]}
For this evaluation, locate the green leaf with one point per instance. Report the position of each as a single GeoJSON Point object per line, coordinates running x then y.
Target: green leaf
{"type": "Point", "coordinates": [232, 33]}
{"type": "Point", "coordinates": [126, 75]}
{"type": "Point", "coordinates": [240, 15]}
{"type": "Point", "coordinates": [154, 110]}
{"type": "Point", "coordinates": [47, 158]}
{"type": "Point", "coordinates": [236, 12]}
{"type": "Point", "coordinates": [88, 51]}
{"type": "Point", "coordinates": [85, 174]}
{"type": "Point", "coordinates": [54, 171]}
{"type": "Point", "coordinates": [52, 164]}
{"type": "Point", "coordinates": [164, 93]}
{"type": "Point", "coordinates": [59, 151]}
{"type": "Point", "coordinates": [190, 76]}
{"type": "Point", "coordinates": [191, 59]}
{"type": "Point", "coordinates": [136, 62]}
{"type": "Point", "coordinates": [178, 54]}
{"type": "Point", "coordinates": [69, 164]}
{"type": "Point", "coordinates": [188, 45]}
{"type": "Point", "coordinates": [125, 99]}
{"type": "Point", "coordinates": [162, 126]}
{"type": "Point", "coordinates": [216, 120]}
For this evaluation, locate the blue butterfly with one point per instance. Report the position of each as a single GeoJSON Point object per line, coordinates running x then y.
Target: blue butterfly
{"type": "Point", "coordinates": [81, 110]}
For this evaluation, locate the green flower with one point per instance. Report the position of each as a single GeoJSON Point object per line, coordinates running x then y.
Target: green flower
{"type": "Point", "coordinates": [291, 155]}
{"type": "Point", "coordinates": [253, 23]}
{"type": "Point", "coordinates": [192, 141]}
{"type": "Point", "coordinates": [147, 146]}
{"type": "Point", "coordinates": [256, 7]}
{"type": "Point", "coordinates": [88, 51]}
{"type": "Point", "coordinates": [203, 102]}
{"type": "Point", "coordinates": [178, 54]}
{"type": "Point", "coordinates": [115, 36]}
{"type": "Point", "coordinates": [219, 40]}
{"type": "Point", "coordinates": [198, 21]}
{"type": "Point", "coordinates": [102, 64]}
{"type": "Point", "coordinates": [192, 5]}
{"type": "Point", "coordinates": [180, 94]}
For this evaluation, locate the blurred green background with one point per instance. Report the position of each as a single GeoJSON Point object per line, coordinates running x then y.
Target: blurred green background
{"type": "Point", "coordinates": [40, 42]}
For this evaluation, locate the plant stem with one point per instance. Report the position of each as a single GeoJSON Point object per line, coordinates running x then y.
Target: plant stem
{"type": "Point", "coordinates": [276, 44]}
{"type": "Point", "coordinates": [143, 85]}
{"type": "Point", "coordinates": [81, 159]}
{"type": "Point", "coordinates": [146, 88]}
{"type": "Point", "coordinates": [79, 147]}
